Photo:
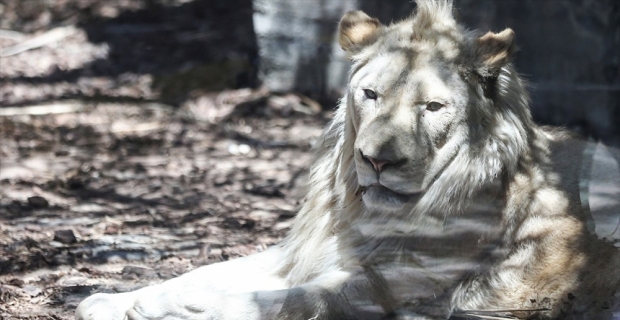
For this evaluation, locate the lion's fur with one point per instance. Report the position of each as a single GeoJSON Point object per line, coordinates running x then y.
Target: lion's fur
{"type": "Point", "coordinates": [333, 192]}
{"type": "Point", "coordinates": [499, 223]}
{"type": "Point", "coordinates": [542, 220]}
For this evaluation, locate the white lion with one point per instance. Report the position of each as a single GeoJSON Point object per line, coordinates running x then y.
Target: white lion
{"type": "Point", "coordinates": [433, 195]}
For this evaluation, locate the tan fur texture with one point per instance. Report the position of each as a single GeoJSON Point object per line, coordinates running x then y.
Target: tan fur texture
{"type": "Point", "coordinates": [433, 194]}
{"type": "Point", "coordinates": [357, 29]}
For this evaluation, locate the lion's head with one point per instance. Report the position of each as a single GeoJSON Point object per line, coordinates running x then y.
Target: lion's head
{"type": "Point", "coordinates": [435, 111]}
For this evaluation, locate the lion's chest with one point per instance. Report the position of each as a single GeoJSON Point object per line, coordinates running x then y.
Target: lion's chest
{"type": "Point", "coordinates": [424, 260]}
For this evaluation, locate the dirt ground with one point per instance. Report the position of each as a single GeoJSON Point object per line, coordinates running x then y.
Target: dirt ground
{"type": "Point", "coordinates": [115, 196]}
{"type": "Point", "coordinates": [131, 150]}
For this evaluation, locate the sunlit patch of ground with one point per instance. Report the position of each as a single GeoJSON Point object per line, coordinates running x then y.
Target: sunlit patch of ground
{"type": "Point", "coordinates": [110, 197]}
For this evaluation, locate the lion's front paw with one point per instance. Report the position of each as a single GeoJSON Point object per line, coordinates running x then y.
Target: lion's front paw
{"type": "Point", "coordinates": [188, 305]}
{"type": "Point", "coordinates": [104, 306]}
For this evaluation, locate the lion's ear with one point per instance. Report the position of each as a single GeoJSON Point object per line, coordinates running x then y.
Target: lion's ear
{"type": "Point", "coordinates": [493, 51]}
{"type": "Point", "coordinates": [357, 30]}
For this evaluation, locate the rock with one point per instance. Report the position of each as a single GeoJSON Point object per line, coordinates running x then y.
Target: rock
{"type": "Point", "coordinates": [239, 149]}
{"type": "Point", "coordinates": [38, 202]}
{"type": "Point", "coordinates": [65, 236]}
{"type": "Point", "coordinates": [221, 180]}
{"type": "Point", "coordinates": [16, 282]}
{"type": "Point", "coordinates": [264, 190]}
{"type": "Point", "coordinates": [32, 291]}
{"type": "Point", "coordinates": [135, 273]}
{"type": "Point", "coordinates": [235, 223]}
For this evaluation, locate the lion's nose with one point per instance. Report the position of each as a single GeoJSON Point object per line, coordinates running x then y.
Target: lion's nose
{"type": "Point", "coordinates": [377, 164]}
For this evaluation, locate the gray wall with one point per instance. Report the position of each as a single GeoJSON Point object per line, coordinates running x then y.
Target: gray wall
{"type": "Point", "coordinates": [569, 51]}
{"type": "Point", "coordinates": [297, 47]}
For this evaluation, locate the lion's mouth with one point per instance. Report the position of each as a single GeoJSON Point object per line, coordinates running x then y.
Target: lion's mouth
{"type": "Point", "coordinates": [383, 188]}
{"type": "Point", "coordinates": [380, 197]}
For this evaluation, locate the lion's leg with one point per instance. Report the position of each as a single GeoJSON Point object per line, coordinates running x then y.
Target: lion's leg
{"type": "Point", "coordinates": [204, 290]}
{"type": "Point", "coordinates": [195, 304]}
{"type": "Point", "coordinates": [333, 295]}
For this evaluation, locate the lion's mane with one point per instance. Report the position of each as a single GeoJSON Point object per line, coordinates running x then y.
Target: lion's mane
{"type": "Point", "coordinates": [501, 137]}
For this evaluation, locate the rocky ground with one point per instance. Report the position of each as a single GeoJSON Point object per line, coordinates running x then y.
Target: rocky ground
{"type": "Point", "coordinates": [107, 197]}
{"type": "Point", "coordinates": [132, 150]}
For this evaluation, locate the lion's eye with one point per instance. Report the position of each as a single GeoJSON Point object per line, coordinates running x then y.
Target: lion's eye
{"type": "Point", "coordinates": [434, 106]}
{"type": "Point", "coordinates": [370, 94]}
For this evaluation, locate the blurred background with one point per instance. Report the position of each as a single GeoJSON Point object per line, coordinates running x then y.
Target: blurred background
{"type": "Point", "coordinates": [142, 138]}
{"type": "Point", "coordinates": [173, 50]}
